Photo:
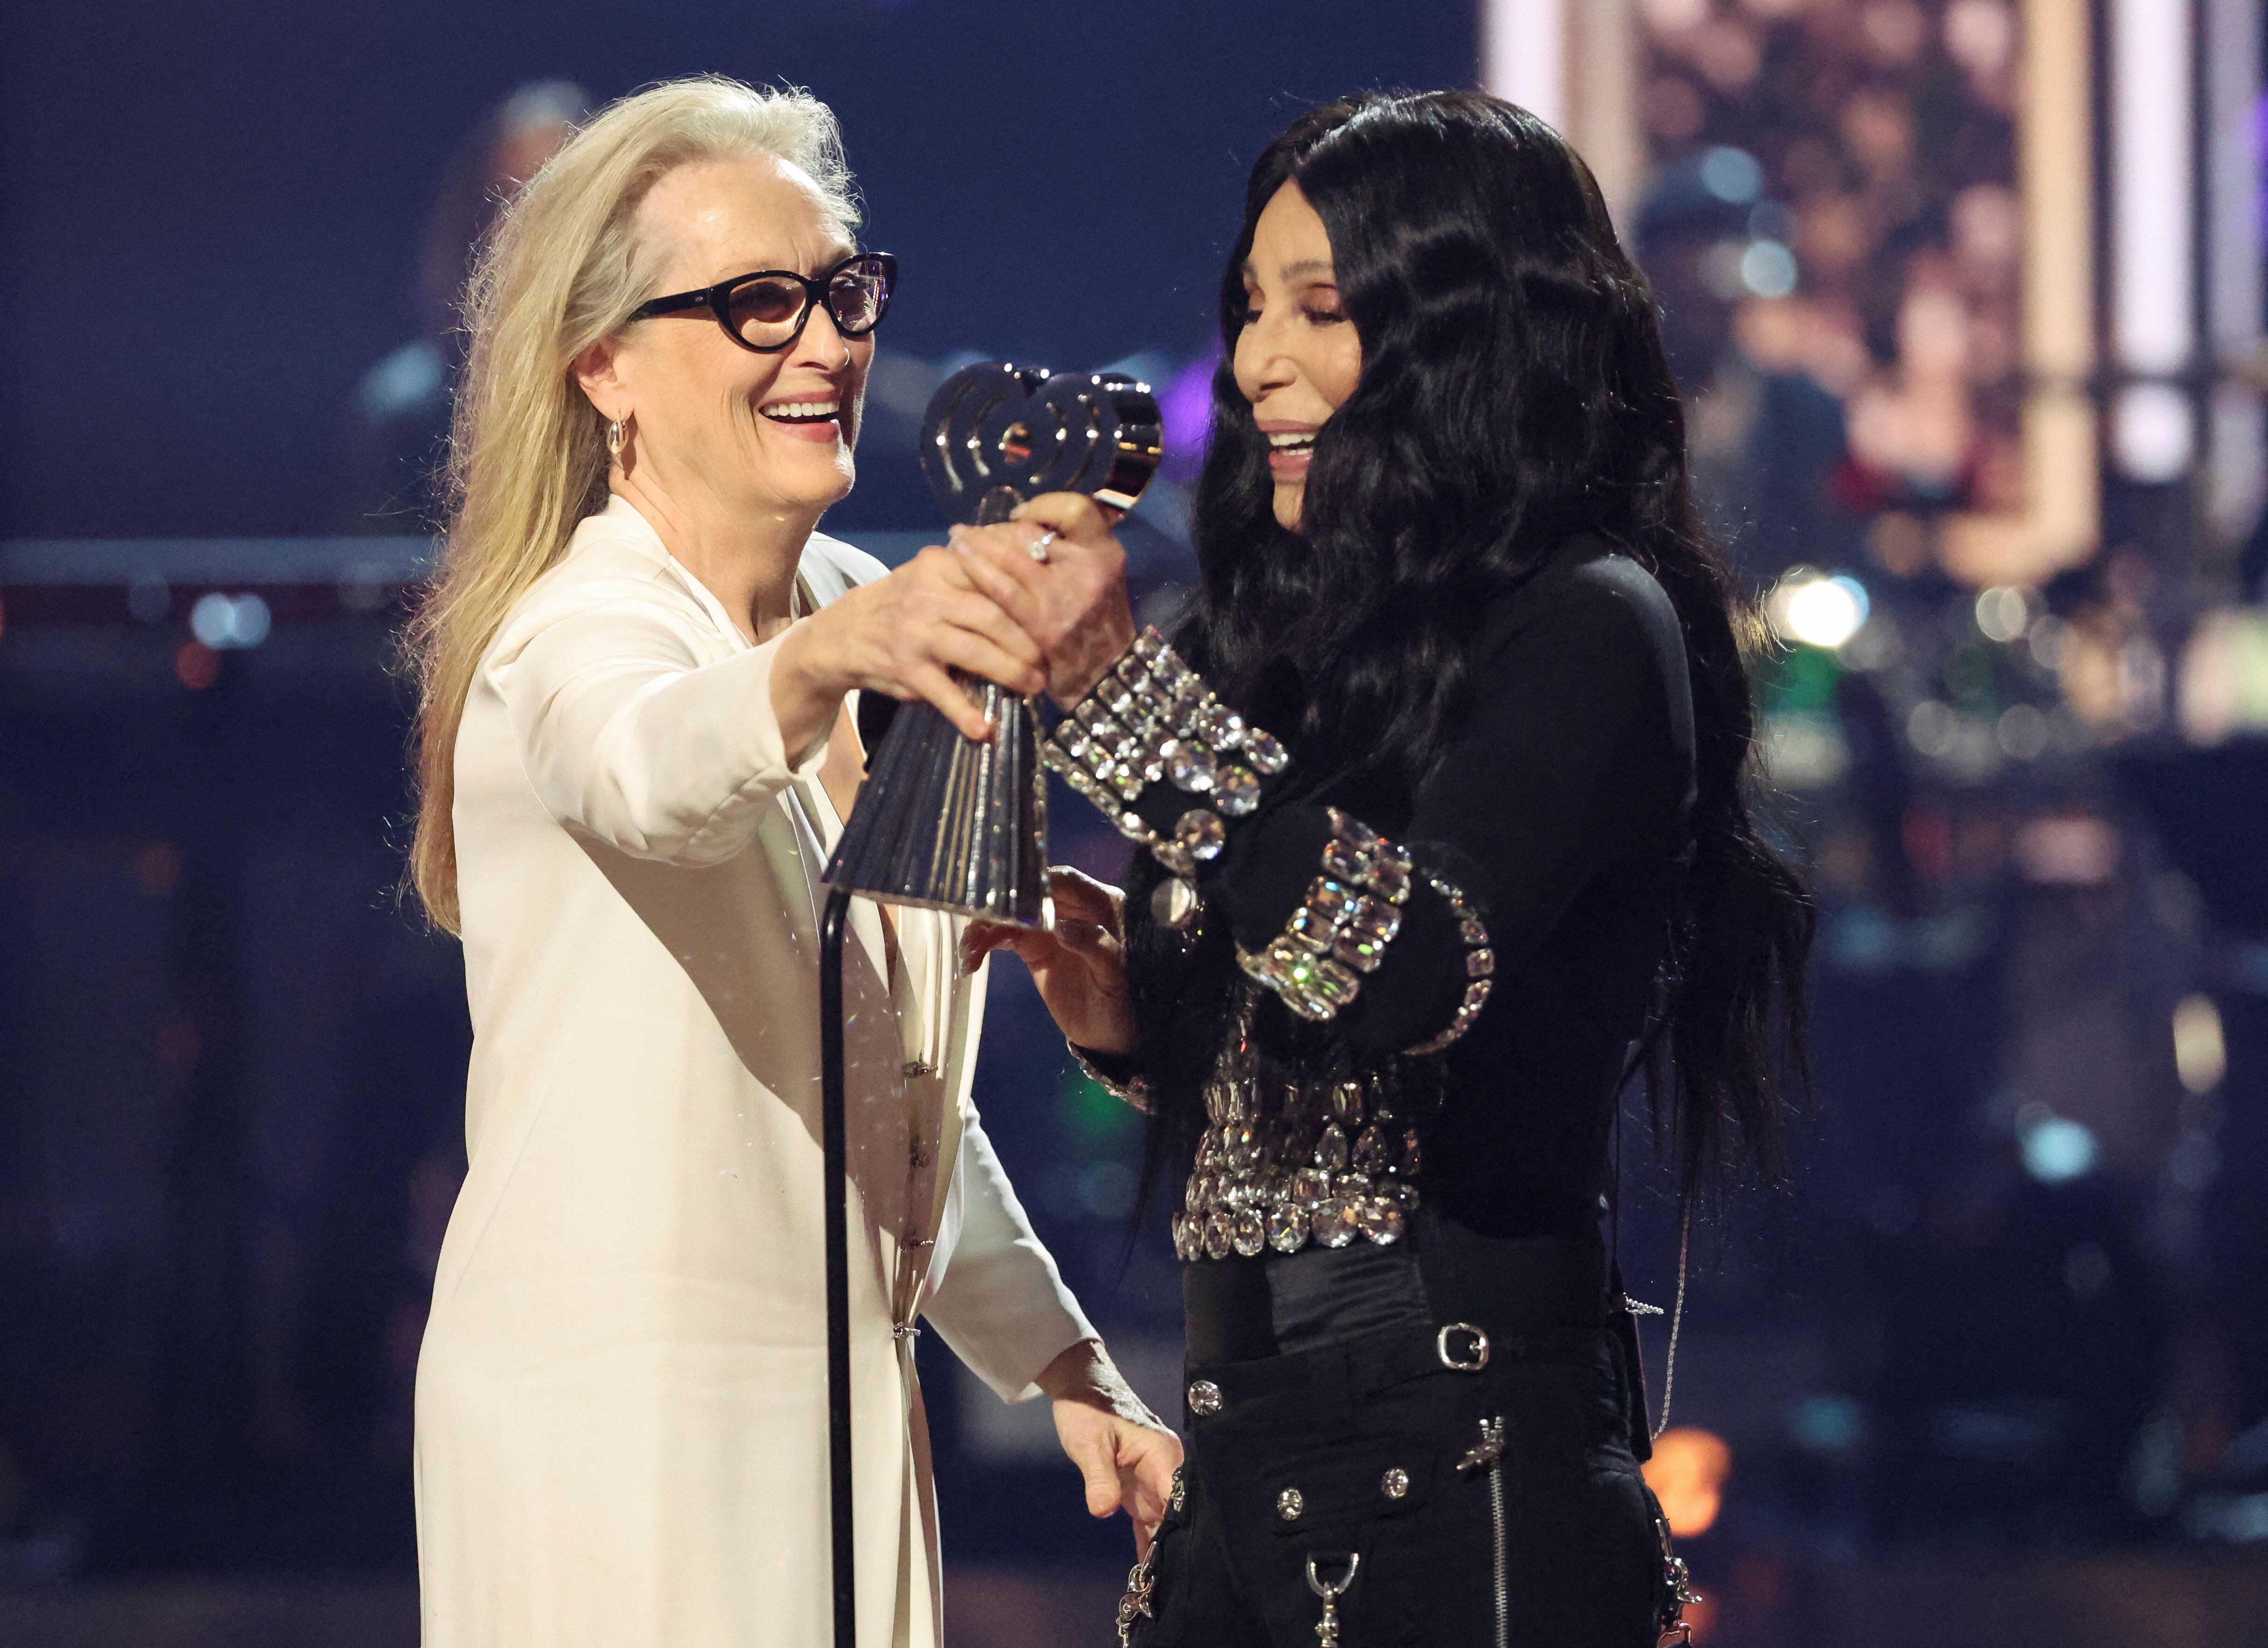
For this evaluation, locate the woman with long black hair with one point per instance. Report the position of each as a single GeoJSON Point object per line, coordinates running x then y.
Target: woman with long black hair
{"type": "Point", "coordinates": [1443, 789]}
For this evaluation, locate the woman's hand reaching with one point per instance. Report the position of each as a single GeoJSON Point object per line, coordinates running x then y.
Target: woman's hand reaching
{"type": "Point", "coordinates": [1078, 962]}
{"type": "Point", "coordinates": [1125, 1451]}
{"type": "Point", "coordinates": [904, 635]}
{"type": "Point", "coordinates": [1072, 602]}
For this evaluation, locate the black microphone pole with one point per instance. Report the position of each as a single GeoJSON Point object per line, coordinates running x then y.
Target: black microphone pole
{"type": "Point", "coordinates": [834, 1150]}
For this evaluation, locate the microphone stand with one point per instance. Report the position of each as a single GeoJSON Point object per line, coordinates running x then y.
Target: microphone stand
{"type": "Point", "coordinates": [834, 1154]}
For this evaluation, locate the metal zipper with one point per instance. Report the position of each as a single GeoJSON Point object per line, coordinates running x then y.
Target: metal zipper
{"type": "Point", "coordinates": [1488, 1455]}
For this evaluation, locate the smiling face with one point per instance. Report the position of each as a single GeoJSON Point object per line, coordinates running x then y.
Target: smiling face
{"type": "Point", "coordinates": [1297, 357]}
{"type": "Point", "coordinates": [756, 434]}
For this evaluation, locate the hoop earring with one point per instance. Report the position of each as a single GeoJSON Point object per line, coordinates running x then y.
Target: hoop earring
{"type": "Point", "coordinates": [615, 440]}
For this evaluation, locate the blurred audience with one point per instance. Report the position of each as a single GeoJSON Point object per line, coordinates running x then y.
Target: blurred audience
{"type": "Point", "coordinates": [2033, 1352]}
{"type": "Point", "coordinates": [1836, 232]}
{"type": "Point", "coordinates": [398, 426]}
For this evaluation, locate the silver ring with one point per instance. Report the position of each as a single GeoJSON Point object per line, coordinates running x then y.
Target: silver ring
{"type": "Point", "coordinates": [1037, 548]}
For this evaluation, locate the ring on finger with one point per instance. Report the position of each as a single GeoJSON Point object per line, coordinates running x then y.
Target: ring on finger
{"type": "Point", "coordinates": [1037, 548]}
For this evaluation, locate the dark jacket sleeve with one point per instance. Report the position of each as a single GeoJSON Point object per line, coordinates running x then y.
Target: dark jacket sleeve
{"type": "Point", "coordinates": [1575, 752]}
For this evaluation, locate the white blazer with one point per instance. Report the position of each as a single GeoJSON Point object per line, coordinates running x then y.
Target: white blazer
{"type": "Point", "coordinates": [621, 1400]}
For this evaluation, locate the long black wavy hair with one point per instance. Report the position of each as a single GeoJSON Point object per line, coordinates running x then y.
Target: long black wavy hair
{"type": "Point", "coordinates": [1514, 391]}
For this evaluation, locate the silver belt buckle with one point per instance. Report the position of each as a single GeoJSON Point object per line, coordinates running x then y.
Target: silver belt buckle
{"type": "Point", "coordinates": [1474, 1358]}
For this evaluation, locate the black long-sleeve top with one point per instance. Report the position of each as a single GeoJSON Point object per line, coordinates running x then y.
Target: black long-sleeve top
{"type": "Point", "coordinates": [1561, 809]}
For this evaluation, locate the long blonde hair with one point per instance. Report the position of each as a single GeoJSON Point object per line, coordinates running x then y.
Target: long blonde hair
{"type": "Point", "coordinates": [527, 455]}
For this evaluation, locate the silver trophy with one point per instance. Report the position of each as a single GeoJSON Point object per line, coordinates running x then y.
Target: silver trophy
{"type": "Point", "coordinates": [943, 822]}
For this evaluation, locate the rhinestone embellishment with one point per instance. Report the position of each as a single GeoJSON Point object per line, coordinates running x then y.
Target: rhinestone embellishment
{"type": "Point", "coordinates": [1290, 1504]}
{"type": "Point", "coordinates": [1251, 1233]}
{"type": "Point", "coordinates": [1201, 833]}
{"type": "Point", "coordinates": [1395, 1484]}
{"type": "Point", "coordinates": [1149, 721]}
{"type": "Point", "coordinates": [1264, 752]}
{"type": "Point", "coordinates": [1333, 1162]}
{"type": "Point", "coordinates": [1220, 726]}
{"type": "Point", "coordinates": [1174, 903]}
{"type": "Point", "coordinates": [1479, 963]}
{"type": "Point", "coordinates": [1339, 935]}
{"type": "Point", "coordinates": [1190, 765]}
{"type": "Point", "coordinates": [1287, 1227]}
{"type": "Point", "coordinates": [1235, 790]}
{"type": "Point", "coordinates": [1205, 1398]}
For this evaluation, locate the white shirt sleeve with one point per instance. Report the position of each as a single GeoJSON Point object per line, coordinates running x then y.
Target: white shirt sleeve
{"type": "Point", "coordinates": [630, 737]}
{"type": "Point", "coordinates": [1002, 1305]}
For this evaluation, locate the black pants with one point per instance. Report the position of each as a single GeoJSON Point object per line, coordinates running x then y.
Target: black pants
{"type": "Point", "coordinates": [1332, 1420]}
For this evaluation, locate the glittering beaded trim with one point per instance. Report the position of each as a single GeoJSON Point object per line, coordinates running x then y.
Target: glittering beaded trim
{"type": "Point", "coordinates": [1480, 968]}
{"type": "Point", "coordinates": [1135, 1092]}
{"type": "Point", "coordinates": [1353, 912]}
{"type": "Point", "coordinates": [1339, 1161]}
{"type": "Point", "coordinates": [1152, 720]}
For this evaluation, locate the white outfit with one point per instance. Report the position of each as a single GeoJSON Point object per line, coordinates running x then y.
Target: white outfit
{"type": "Point", "coordinates": [622, 1402]}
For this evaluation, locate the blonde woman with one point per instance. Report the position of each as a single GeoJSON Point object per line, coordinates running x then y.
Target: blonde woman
{"type": "Point", "coordinates": [636, 756]}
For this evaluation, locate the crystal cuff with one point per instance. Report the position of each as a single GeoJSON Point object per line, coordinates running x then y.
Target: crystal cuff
{"type": "Point", "coordinates": [1479, 967]}
{"type": "Point", "coordinates": [1152, 720]}
{"type": "Point", "coordinates": [1353, 912]}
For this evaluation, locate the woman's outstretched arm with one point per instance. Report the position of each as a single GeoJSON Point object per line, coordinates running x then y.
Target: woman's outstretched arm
{"type": "Point", "coordinates": [629, 736]}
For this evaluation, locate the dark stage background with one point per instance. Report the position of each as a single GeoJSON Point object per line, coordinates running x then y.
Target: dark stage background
{"type": "Point", "coordinates": [214, 212]}
{"type": "Point", "coordinates": [1995, 1368]}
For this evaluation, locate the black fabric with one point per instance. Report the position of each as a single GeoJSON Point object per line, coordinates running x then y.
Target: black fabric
{"type": "Point", "coordinates": [876, 712]}
{"type": "Point", "coordinates": [1519, 1289]}
{"type": "Point", "coordinates": [1117, 1068]}
{"type": "Point", "coordinates": [1354, 1401]}
{"type": "Point", "coordinates": [1239, 1310]}
{"type": "Point", "coordinates": [1560, 809]}
{"type": "Point", "coordinates": [1271, 861]}
{"type": "Point", "coordinates": [1364, 1289]}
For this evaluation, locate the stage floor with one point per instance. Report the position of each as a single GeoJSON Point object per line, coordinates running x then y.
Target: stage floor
{"type": "Point", "coordinates": [2148, 1600]}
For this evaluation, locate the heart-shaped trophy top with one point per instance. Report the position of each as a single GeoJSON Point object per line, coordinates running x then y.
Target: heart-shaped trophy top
{"type": "Point", "coordinates": [996, 435]}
